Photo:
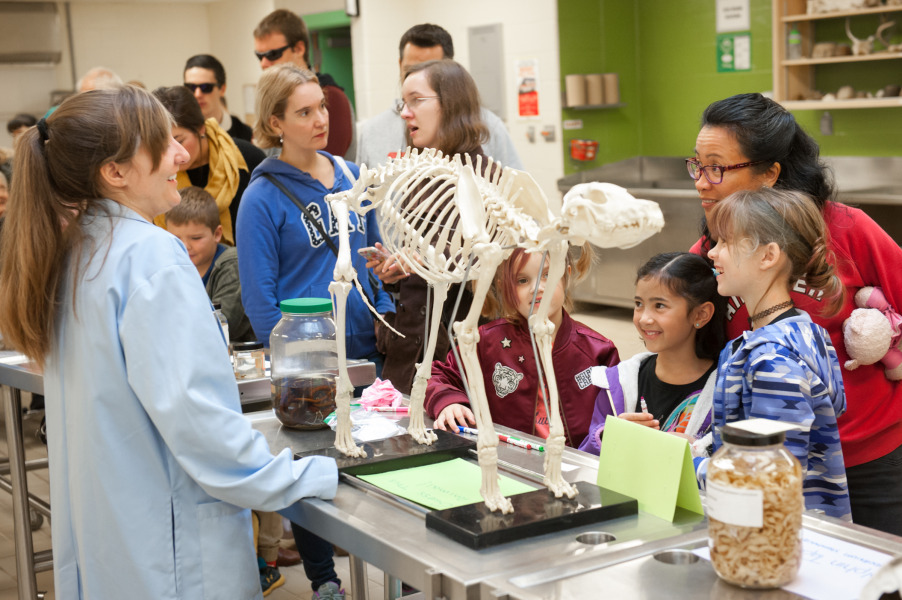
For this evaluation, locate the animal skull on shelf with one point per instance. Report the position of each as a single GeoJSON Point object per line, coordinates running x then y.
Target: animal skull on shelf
{"type": "Point", "coordinates": [449, 223]}
{"type": "Point", "coordinates": [881, 30]}
{"type": "Point", "coordinates": [860, 47]}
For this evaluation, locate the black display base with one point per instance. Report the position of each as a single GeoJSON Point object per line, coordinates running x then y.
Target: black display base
{"type": "Point", "coordinates": [535, 513]}
{"type": "Point", "coordinates": [401, 452]}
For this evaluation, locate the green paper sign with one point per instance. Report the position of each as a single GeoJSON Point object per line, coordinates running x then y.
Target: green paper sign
{"type": "Point", "coordinates": [651, 466]}
{"type": "Point", "coordinates": [447, 484]}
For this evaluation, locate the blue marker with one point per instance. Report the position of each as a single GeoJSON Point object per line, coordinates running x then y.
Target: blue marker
{"type": "Point", "coordinates": [469, 430]}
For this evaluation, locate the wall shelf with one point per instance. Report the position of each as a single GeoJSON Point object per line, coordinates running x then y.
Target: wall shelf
{"type": "Point", "coordinates": [894, 102]}
{"type": "Point", "coordinates": [795, 78]}
{"type": "Point", "coordinates": [795, 18]}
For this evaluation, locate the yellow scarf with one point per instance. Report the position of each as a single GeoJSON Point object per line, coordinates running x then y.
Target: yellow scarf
{"type": "Point", "coordinates": [222, 183]}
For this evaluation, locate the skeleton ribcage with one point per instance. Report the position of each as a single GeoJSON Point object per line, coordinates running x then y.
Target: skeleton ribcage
{"type": "Point", "coordinates": [414, 200]}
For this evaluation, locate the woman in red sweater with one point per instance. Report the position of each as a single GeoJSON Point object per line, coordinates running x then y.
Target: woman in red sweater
{"type": "Point", "coordinates": [749, 141]}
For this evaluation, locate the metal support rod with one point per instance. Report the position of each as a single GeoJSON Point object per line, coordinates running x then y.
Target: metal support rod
{"type": "Point", "coordinates": [30, 465]}
{"type": "Point", "coordinates": [391, 587]}
{"type": "Point", "coordinates": [358, 577]}
{"type": "Point", "coordinates": [21, 521]}
{"type": "Point", "coordinates": [38, 504]}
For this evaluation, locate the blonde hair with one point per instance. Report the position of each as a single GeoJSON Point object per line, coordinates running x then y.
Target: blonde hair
{"type": "Point", "coordinates": [754, 218]}
{"type": "Point", "coordinates": [57, 181]}
{"type": "Point", "coordinates": [502, 299]}
{"type": "Point", "coordinates": [275, 87]}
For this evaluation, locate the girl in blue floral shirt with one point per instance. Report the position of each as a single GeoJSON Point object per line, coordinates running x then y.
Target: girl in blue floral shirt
{"type": "Point", "coordinates": [785, 368]}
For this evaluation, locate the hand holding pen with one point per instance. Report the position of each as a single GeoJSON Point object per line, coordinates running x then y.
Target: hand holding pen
{"type": "Point", "coordinates": [644, 418]}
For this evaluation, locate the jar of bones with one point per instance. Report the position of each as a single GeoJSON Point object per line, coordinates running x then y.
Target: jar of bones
{"type": "Point", "coordinates": [754, 506]}
{"type": "Point", "coordinates": [304, 357]}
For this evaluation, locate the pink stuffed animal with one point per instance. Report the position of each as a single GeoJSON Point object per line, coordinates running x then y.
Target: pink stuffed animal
{"type": "Point", "coordinates": [873, 333]}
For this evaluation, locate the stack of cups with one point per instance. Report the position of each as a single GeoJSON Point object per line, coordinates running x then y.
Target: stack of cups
{"type": "Point", "coordinates": [575, 90]}
{"type": "Point", "coordinates": [595, 89]}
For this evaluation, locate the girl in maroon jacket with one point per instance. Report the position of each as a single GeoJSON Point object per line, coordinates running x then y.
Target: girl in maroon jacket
{"type": "Point", "coordinates": [516, 399]}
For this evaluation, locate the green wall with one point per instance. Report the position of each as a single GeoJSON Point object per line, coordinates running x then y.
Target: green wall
{"type": "Point", "coordinates": [336, 61]}
{"type": "Point", "coordinates": [664, 51]}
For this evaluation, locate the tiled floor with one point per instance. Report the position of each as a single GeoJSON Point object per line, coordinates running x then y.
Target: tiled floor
{"type": "Point", "coordinates": [615, 323]}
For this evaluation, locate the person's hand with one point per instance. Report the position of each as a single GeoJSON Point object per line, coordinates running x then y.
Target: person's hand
{"type": "Point", "coordinates": [388, 270]}
{"type": "Point", "coordinates": [641, 418]}
{"type": "Point", "coordinates": [455, 415]}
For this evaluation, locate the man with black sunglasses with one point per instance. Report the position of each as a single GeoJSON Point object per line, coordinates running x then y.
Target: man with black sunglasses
{"type": "Point", "coordinates": [282, 37]}
{"type": "Point", "coordinates": [205, 77]}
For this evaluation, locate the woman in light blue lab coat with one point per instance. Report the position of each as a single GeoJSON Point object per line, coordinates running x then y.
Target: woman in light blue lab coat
{"type": "Point", "coordinates": [152, 466]}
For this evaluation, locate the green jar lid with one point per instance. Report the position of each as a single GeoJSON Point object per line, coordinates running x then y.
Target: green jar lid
{"type": "Point", "coordinates": [306, 306]}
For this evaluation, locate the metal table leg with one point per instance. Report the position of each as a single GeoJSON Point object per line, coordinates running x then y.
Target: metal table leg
{"type": "Point", "coordinates": [358, 577]}
{"type": "Point", "coordinates": [391, 588]}
{"type": "Point", "coordinates": [21, 520]}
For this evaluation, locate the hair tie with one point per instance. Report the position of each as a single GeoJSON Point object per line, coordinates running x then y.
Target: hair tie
{"type": "Point", "coordinates": [42, 129]}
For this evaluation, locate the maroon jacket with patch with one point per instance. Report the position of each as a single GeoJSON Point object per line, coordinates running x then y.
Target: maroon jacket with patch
{"type": "Point", "coordinates": [511, 378]}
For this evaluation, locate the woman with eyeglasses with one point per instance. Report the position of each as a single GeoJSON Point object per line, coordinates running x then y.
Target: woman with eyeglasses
{"type": "Point", "coordinates": [440, 106]}
{"type": "Point", "coordinates": [747, 142]}
{"type": "Point", "coordinates": [217, 162]}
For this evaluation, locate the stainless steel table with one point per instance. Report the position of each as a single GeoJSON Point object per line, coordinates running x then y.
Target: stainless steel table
{"type": "Point", "coordinates": [392, 535]}
{"type": "Point", "coordinates": [18, 375]}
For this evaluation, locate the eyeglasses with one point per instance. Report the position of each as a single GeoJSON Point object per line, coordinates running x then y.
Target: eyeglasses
{"type": "Point", "coordinates": [412, 104]}
{"type": "Point", "coordinates": [713, 173]}
{"type": "Point", "coordinates": [274, 54]}
{"type": "Point", "coordinates": [205, 88]}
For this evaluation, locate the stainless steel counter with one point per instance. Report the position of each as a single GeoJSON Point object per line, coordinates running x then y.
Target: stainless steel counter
{"type": "Point", "coordinates": [616, 556]}
{"type": "Point", "coordinates": [873, 184]}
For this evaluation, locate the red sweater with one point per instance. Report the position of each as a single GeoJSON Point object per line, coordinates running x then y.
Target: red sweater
{"type": "Point", "coordinates": [505, 354]}
{"type": "Point", "coordinates": [865, 255]}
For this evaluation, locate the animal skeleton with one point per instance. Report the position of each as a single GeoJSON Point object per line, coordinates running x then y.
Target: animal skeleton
{"type": "Point", "coordinates": [449, 224]}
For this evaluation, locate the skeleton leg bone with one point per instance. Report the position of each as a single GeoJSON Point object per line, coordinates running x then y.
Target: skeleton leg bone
{"type": "Point", "coordinates": [344, 274]}
{"type": "Point", "coordinates": [543, 330]}
{"type": "Point", "coordinates": [417, 427]}
{"type": "Point", "coordinates": [490, 256]}
{"type": "Point", "coordinates": [344, 442]}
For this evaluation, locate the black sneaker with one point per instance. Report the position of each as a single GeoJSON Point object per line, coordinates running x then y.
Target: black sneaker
{"type": "Point", "coordinates": [270, 578]}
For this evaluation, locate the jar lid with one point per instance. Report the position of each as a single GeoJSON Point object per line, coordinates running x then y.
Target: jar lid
{"type": "Point", "coordinates": [244, 346]}
{"type": "Point", "coordinates": [217, 306]}
{"type": "Point", "coordinates": [743, 437]}
{"type": "Point", "coordinates": [306, 306]}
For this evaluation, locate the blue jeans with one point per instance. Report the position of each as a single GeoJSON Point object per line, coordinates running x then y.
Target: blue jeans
{"type": "Point", "coordinates": [875, 492]}
{"type": "Point", "coordinates": [317, 556]}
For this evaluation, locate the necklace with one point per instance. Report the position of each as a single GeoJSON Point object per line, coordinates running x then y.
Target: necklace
{"type": "Point", "coordinates": [769, 311]}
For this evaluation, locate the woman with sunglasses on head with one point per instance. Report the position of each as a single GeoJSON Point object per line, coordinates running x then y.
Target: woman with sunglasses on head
{"type": "Point", "coordinates": [217, 162]}
{"type": "Point", "coordinates": [747, 142]}
{"type": "Point", "coordinates": [150, 458]}
{"type": "Point", "coordinates": [440, 105]}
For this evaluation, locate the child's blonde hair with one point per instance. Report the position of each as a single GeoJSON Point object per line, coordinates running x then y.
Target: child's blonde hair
{"type": "Point", "coordinates": [502, 300]}
{"type": "Point", "coordinates": [751, 219]}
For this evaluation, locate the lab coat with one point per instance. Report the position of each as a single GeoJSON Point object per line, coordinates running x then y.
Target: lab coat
{"type": "Point", "coordinates": [150, 458]}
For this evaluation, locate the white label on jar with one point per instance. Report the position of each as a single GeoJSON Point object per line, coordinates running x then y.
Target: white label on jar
{"type": "Point", "coordinates": [743, 507]}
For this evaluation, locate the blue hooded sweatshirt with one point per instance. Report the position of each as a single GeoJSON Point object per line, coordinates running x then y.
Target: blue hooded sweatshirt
{"type": "Point", "coordinates": [281, 255]}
